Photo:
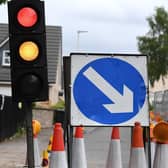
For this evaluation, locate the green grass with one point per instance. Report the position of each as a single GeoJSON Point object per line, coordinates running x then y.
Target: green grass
{"type": "Point", "coordinates": [20, 132]}
{"type": "Point", "coordinates": [59, 105]}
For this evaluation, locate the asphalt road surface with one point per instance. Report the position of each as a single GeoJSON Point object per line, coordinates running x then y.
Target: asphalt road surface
{"type": "Point", "coordinates": [97, 142]}
{"type": "Point", "coordinates": [13, 152]}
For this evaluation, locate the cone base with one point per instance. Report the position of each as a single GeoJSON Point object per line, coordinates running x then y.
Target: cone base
{"type": "Point", "coordinates": [137, 158]}
{"type": "Point", "coordinates": [58, 160]}
{"type": "Point", "coordinates": [114, 155]}
{"type": "Point", "coordinates": [37, 158]}
{"type": "Point", "coordinates": [161, 154]}
{"type": "Point", "coordinates": [78, 153]}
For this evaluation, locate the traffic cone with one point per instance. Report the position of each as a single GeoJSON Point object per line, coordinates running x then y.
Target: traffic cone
{"type": "Point", "coordinates": [152, 146]}
{"type": "Point", "coordinates": [114, 155]}
{"type": "Point", "coordinates": [78, 149]}
{"type": "Point", "coordinates": [36, 130]}
{"type": "Point", "coordinates": [58, 155]}
{"type": "Point", "coordinates": [37, 158]}
{"type": "Point", "coordinates": [45, 159]}
{"type": "Point", "coordinates": [152, 151]}
{"type": "Point", "coordinates": [137, 156]}
{"type": "Point", "coordinates": [160, 133]}
{"type": "Point", "coordinates": [161, 155]}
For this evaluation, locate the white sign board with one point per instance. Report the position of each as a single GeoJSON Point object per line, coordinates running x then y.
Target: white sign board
{"type": "Point", "coordinates": [109, 90]}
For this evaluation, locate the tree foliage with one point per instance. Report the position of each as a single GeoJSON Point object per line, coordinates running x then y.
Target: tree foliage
{"type": "Point", "coordinates": [3, 1]}
{"type": "Point", "coordinates": [155, 45]}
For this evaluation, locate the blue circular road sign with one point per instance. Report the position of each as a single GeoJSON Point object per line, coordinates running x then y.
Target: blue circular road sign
{"type": "Point", "coordinates": [109, 91]}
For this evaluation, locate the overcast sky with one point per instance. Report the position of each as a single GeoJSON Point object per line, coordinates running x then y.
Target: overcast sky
{"type": "Point", "coordinates": [112, 25]}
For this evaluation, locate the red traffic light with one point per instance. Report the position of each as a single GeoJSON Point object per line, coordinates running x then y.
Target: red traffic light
{"type": "Point", "coordinates": [27, 39]}
{"type": "Point", "coordinates": [27, 17]}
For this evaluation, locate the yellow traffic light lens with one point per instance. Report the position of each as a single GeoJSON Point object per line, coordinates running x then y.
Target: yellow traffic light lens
{"type": "Point", "coordinates": [28, 51]}
{"type": "Point", "coordinates": [27, 17]}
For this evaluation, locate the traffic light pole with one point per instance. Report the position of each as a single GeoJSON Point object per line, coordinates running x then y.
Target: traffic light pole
{"type": "Point", "coordinates": [29, 76]}
{"type": "Point", "coordinates": [29, 133]}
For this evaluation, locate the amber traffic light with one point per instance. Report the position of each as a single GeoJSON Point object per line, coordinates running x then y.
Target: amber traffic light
{"type": "Point", "coordinates": [29, 51]}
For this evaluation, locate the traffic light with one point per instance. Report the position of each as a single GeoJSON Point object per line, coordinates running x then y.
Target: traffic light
{"type": "Point", "coordinates": [27, 40]}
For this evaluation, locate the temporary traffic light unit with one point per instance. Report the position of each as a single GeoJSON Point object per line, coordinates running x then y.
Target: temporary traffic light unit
{"type": "Point", "coordinates": [27, 37]}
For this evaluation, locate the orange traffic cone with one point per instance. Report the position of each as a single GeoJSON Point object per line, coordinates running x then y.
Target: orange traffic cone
{"type": "Point", "coordinates": [161, 160]}
{"type": "Point", "coordinates": [137, 156]}
{"type": "Point", "coordinates": [114, 155]}
{"type": "Point", "coordinates": [58, 155]}
{"type": "Point", "coordinates": [78, 150]}
{"type": "Point", "coordinates": [45, 159]}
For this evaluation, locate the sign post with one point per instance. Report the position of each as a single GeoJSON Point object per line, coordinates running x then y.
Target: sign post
{"type": "Point", "coordinates": [27, 107]}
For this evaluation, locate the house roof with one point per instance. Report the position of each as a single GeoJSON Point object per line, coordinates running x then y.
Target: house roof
{"type": "Point", "coordinates": [54, 51]}
{"type": "Point", "coordinates": [4, 42]}
{"type": "Point", "coordinates": [3, 32]}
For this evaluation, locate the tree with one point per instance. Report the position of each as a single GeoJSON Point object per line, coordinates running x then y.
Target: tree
{"type": "Point", "coordinates": [3, 1]}
{"type": "Point", "coordinates": [155, 45]}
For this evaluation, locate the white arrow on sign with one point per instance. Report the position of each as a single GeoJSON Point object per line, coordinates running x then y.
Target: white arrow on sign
{"type": "Point", "coordinates": [122, 103]}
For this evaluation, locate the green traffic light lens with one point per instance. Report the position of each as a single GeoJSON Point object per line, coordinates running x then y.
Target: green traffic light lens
{"type": "Point", "coordinates": [27, 17]}
{"type": "Point", "coordinates": [30, 85]}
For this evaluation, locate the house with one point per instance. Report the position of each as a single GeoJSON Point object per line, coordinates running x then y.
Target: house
{"type": "Point", "coordinates": [158, 89]}
{"type": "Point", "coordinates": [54, 57]}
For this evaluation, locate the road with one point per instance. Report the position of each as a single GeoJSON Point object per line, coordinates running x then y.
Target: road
{"type": "Point", "coordinates": [13, 152]}
{"type": "Point", "coordinates": [97, 142]}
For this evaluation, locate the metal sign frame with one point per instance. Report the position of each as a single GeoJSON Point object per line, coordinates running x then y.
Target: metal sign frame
{"type": "Point", "coordinates": [102, 55]}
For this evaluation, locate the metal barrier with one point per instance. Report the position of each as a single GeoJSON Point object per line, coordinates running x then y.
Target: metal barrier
{"type": "Point", "coordinates": [160, 104]}
{"type": "Point", "coordinates": [158, 100]}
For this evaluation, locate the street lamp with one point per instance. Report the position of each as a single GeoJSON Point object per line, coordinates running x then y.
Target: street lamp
{"type": "Point", "coordinates": [78, 34]}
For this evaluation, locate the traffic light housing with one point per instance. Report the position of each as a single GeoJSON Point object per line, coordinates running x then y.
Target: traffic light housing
{"type": "Point", "coordinates": [27, 41]}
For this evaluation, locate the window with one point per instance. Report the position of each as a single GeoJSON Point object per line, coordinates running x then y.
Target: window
{"type": "Point", "coordinates": [6, 58]}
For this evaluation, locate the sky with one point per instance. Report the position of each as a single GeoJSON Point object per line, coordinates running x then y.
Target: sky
{"type": "Point", "coordinates": [112, 26]}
